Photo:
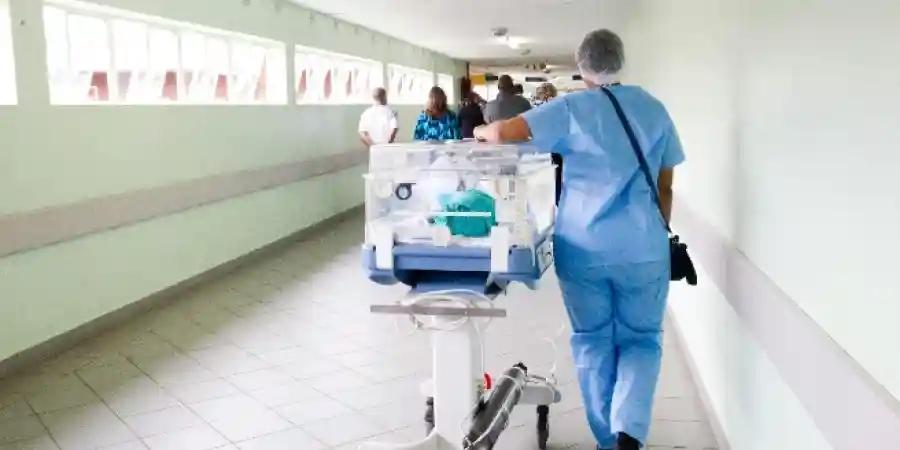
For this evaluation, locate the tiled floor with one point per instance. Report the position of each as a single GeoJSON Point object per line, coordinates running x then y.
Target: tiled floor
{"type": "Point", "coordinates": [283, 354]}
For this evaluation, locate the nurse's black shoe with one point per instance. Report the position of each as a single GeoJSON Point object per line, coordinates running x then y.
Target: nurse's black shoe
{"type": "Point", "coordinates": [626, 442]}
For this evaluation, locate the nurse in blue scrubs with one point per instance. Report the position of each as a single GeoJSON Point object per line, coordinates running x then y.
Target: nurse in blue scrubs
{"type": "Point", "coordinates": [611, 243]}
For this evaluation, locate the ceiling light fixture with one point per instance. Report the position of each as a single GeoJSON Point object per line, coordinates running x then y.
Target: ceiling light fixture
{"type": "Point", "coordinates": [513, 42]}
{"type": "Point", "coordinates": [501, 34]}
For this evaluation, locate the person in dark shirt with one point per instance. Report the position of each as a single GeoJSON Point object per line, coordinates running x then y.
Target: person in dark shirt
{"type": "Point", "coordinates": [507, 104]}
{"type": "Point", "coordinates": [470, 114]}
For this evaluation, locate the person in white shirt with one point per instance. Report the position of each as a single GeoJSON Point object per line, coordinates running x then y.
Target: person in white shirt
{"type": "Point", "coordinates": [378, 123]}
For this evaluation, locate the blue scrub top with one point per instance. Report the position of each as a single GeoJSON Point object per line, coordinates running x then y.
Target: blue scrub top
{"type": "Point", "coordinates": [607, 214]}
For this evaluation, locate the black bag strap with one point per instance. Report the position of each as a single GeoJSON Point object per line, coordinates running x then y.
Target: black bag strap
{"type": "Point", "coordinates": [636, 146]}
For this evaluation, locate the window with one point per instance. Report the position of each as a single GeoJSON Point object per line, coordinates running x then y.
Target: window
{"type": "Point", "coordinates": [331, 78]}
{"type": "Point", "coordinates": [409, 86]}
{"type": "Point", "coordinates": [448, 84]}
{"type": "Point", "coordinates": [7, 66]}
{"type": "Point", "coordinates": [147, 65]}
{"type": "Point", "coordinates": [99, 55]}
{"type": "Point", "coordinates": [482, 91]}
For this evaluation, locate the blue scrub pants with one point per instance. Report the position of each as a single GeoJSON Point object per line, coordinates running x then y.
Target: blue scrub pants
{"type": "Point", "coordinates": [616, 313]}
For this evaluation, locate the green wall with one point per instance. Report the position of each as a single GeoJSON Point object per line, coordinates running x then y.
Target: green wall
{"type": "Point", "coordinates": [55, 155]}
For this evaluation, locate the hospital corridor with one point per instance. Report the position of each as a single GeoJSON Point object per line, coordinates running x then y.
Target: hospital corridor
{"type": "Point", "coordinates": [449, 225]}
{"type": "Point", "coordinates": [278, 354]}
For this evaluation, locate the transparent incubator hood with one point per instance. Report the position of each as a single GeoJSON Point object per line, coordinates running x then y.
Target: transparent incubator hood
{"type": "Point", "coordinates": [459, 194]}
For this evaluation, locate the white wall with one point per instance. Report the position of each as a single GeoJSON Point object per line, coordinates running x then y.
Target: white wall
{"type": "Point", "coordinates": [821, 204]}
{"type": "Point", "coordinates": [788, 115]}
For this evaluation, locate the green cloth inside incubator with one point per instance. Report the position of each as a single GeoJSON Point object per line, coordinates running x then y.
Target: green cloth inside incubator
{"type": "Point", "coordinates": [472, 200]}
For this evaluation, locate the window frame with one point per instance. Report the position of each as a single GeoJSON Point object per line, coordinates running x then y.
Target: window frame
{"type": "Point", "coordinates": [418, 75]}
{"type": "Point", "coordinates": [271, 49]}
{"type": "Point", "coordinates": [304, 53]}
{"type": "Point", "coordinates": [448, 83]}
{"type": "Point", "coordinates": [9, 95]}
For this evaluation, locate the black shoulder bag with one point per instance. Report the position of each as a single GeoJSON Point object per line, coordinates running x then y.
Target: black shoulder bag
{"type": "Point", "coordinates": [682, 266]}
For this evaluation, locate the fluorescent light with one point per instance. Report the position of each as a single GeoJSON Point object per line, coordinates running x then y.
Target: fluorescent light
{"type": "Point", "coordinates": [513, 42]}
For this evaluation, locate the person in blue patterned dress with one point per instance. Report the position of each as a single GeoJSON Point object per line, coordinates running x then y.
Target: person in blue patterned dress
{"type": "Point", "coordinates": [437, 122]}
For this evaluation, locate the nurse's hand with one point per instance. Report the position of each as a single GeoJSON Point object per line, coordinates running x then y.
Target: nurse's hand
{"type": "Point", "coordinates": [480, 133]}
{"type": "Point", "coordinates": [512, 130]}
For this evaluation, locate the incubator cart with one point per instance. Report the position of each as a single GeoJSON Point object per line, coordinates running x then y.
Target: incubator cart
{"type": "Point", "coordinates": [457, 222]}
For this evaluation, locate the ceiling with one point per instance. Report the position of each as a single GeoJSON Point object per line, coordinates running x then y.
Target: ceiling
{"type": "Point", "coordinates": [550, 29]}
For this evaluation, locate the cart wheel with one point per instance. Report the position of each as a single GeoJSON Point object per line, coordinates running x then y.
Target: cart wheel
{"type": "Point", "coordinates": [543, 426]}
{"type": "Point", "coordinates": [403, 191]}
{"type": "Point", "coordinates": [429, 415]}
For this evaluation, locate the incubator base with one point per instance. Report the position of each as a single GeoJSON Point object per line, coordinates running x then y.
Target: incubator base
{"type": "Point", "coordinates": [457, 386]}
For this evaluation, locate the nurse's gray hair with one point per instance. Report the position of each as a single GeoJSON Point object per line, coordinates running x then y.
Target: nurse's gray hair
{"type": "Point", "coordinates": [600, 55]}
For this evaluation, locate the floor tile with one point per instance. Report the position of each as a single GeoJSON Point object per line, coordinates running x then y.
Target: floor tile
{"type": "Point", "coordinates": [200, 391]}
{"type": "Point", "coordinates": [131, 445]}
{"type": "Point", "coordinates": [358, 358]}
{"type": "Point", "coordinates": [336, 347]}
{"type": "Point", "coordinates": [251, 426]}
{"type": "Point", "coordinates": [306, 369]}
{"type": "Point", "coordinates": [286, 394]}
{"type": "Point", "coordinates": [20, 429]}
{"type": "Point", "coordinates": [136, 396]}
{"type": "Point", "coordinates": [666, 447]}
{"type": "Point", "coordinates": [147, 346]}
{"type": "Point", "coordinates": [200, 437]}
{"type": "Point", "coordinates": [678, 408]}
{"type": "Point", "coordinates": [567, 430]}
{"type": "Point", "coordinates": [240, 417]}
{"type": "Point", "coordinates": [162, 421]}
{"type": "Point", "coordinates": [229, 360]}
{"type": "Point", "coordinates": [339, 381]}
{"type": "Point", "coordinates": [65, 392]}
{"type": "Point", "coordinates": [44, 442]}
{"type": "Point", "coordinates": [264, 342]}
{"type": "Point", "coordinates": [260, 379]}
{"type": "Point", "coordinates": [312, 410]}
{"type": "Point", "coordinates": [174, 368]}
{"type": "Point", "coordinates": [407, 390]}
{"type": "Point", "coordinates": [399, 436]}
{"type": "Point", "coordinates": [86, 427]}
{"type": "Point", "coordinates": [225, 407]}
{"type": "Point", "coordinates": [681, 434]}
{"type": "Point", "coordinates": [107, 377]}
{"type": "Point", "coordinates": [69, 361]}
{"type": "Point", "coordinates": [397, 416]}
{"type": "Point", "coordinates": [193, 339]}
{"type": "Point", "coordinates": [286, 356]}
{"type": "Point", "coordinates": [343, 429]}
{"type": "Point", "coordinates": [389, 370]}
{"type": "Point", "coordinates": [293, 439]}
{"type": "Point", "coordinates": [13, 407]}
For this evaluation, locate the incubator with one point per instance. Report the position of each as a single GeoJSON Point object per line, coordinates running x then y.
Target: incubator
{"type": "Point", "coordinates": [445, 206]}
{"type": "Point", "coordinates": [457, 222]}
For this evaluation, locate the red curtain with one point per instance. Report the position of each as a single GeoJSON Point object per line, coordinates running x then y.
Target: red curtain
{"type": "Point", "coordinates": [99, 90]}
{"type": "Point", "coordinates": [222, 87]}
